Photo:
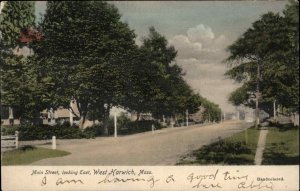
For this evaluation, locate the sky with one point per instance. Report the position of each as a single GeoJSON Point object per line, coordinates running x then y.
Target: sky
{"type": "Point", "coordinates": [200, 31]}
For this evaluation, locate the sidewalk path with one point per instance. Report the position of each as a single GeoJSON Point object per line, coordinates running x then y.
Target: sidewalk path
{"type": "Point", "coordinates": [260, 147]}
{"type": "Point", "coordinates": [164, 147]}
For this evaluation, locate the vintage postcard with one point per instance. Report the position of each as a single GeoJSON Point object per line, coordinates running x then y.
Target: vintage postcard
{"type": "Point", "coordinates": [149, 95]}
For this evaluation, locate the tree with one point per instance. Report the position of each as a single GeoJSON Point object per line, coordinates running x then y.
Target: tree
{"type": "Point", "coordinates": [212, 112]}
{"type": "Point", "coordinates": [157, 85]}
{"type": "Point", "coordinates": [264, 59]}
{"type": "Point", "coordinates": [84, 52]}
{"type": "Point", "coordinates": [15, 17]}
{"type": "Point", "coordinates": [148, 74]}
{"type": "Point", "coordinates": [19, 86]}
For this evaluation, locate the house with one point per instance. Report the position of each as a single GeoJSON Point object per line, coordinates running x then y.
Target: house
{"type": "Point", "coordinates": [58, 116]}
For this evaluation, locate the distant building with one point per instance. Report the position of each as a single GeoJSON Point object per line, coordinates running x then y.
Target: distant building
{"type": "Point", "coordinates": [133, 116]}
{"type": "Point", "coordinates": [58, 116]}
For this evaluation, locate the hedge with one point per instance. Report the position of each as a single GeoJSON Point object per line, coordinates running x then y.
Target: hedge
{"type": "Point", "coordinates": [42, 132]}
{"type": "Point", "coordinates": [65, 131]}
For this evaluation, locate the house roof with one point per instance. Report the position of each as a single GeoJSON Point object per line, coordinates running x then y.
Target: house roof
{"type": "Point", "coordinates": [29, 35]}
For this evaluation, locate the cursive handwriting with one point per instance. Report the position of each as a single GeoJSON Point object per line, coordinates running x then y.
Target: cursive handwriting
{"type": "Point", "coordinates": [61, 181]}
{"type": "Point", "coordinates": [200, 178]}
{"type": "Point", "coordinates": [229, 176]}
{"type": "Point", "coordinates": [44, 181]}
{"type": "Point", "coordinates": [170, 179]}
{"type": "Point", "coordinates": [108, 179]}
{"type": "Point", "coordinates": [260, 185]}
{"type": "Point", "coordinates": [214, 180]}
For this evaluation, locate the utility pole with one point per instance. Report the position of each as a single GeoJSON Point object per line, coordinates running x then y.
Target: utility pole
{"type": "Point", "coordinates": [221, 119]}
{"type": "Point", "coordinates": [187, 117]}
{"type": "Point", "coordinates": [257, 95]}
{"type": "Point", "coordinates": [70, 112]}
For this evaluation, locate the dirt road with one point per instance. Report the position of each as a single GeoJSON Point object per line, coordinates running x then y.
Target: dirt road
{"type": "Point", "coordinates": [163, 147]}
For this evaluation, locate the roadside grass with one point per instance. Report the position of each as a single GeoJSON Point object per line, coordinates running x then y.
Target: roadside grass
{"type": "Point", "coordinates": [230, 151]}
{"type": "Point", "coordinates": [27, 156]}
{"type": "Point", "coordinates": [282, 146]}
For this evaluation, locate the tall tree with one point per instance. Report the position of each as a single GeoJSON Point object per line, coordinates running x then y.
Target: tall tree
{"type": "Point", "coordinates": [15, 17]}
{"type": "Point", "coordinates": [84, 52]}
{"type": "Point", "coordinates": [212, 112]}
{"type": "Point", "coordinates": [18, 79]}
{"type": "Point", "coordinates": [157, 85]}
{"type": "Point", "coordinates": [264, 59]}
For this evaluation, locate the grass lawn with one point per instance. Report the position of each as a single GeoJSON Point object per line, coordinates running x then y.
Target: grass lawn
{"type": "Point", "coordinates": [232, 150]}
{"type": "Point", "coordinates": [282, 147]}
{"type": "Point", "coordinates": [20, 157]}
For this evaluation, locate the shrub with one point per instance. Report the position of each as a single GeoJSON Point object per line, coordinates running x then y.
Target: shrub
{"type": "Point", "coordinates": [65, 131]}
{"type": "Point", "coordinates": [41, 132]}
{"type": "Point", "coordinates": [93, 131]}
{"type": "Point", "coordinates": [223, 152]}
{"type": "Point", "coordinates": [9, 130]}
{"type": "Point", "coordinates": [142, 126]}
{"type": "Point", "coordinates": [126, 126]}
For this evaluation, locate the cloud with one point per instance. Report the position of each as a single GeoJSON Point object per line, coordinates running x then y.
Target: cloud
{"type": "Point", "coordinates": [200, 52]}
{"type": "Point", "coordinates": [208, 79]}
{"type": "Point", "coordinates": [200, 43]}
{"type": "Point", "coordinates": [200, 33]}
{"type": "Point", "coordinates": [186, 48]}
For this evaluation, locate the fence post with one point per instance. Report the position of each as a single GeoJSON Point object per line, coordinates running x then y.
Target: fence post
{"type": "Point", "coordinates": [17, 139]}
{"type": "Point", "coordinates": [53, 142]}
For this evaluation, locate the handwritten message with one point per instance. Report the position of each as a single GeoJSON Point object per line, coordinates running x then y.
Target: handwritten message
{"type": "Point", "coordinates": [152, 178]}
{"type": "Point", "coordinates": [215, 179]}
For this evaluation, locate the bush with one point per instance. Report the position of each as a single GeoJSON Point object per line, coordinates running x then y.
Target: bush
{"type": "Point", "coordinates": [41, 132]}
{"type": "Point", "coordinates": [9, 130]}
{"type": "Point", "coordinates": [223, 152]}
{"type": "Point", "coordinates": [141, 126]}
{"type": "Point", "coordinates": [94, 131]}
{"type": "Point", "coordinates": [65, 131]}
{"type": "Point", "coordinates": [126, 126]}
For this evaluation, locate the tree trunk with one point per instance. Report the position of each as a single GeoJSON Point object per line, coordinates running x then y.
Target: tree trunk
{"type": "Point", "coordinates": [171, 122]}
{"type": "Point", "coordinates": [274, 111]}
{"type": "Point", "coordinates": [105, 121]}
{"type": "Point", "coordinates": [82, 109]}
{"type": "Point", "coordinates": [82, 121]}
{"type": "Point", "coordinates": [105, 127]}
